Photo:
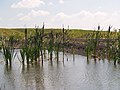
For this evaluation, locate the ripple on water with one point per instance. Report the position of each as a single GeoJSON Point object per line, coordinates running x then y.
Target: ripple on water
{"type": "Point", "coordinates": [70, 75]}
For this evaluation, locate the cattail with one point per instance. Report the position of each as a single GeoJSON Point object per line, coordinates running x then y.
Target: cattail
{"type": "Point", "coordinates": [25, 37]}
{"type": "Point", "coordinates": [98, 27]}
{"type": "Point", "coordinates": [109, 29]}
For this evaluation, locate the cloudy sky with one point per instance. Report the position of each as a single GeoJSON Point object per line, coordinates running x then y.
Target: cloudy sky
{"type": "Point", "coordinates": [85, 14]}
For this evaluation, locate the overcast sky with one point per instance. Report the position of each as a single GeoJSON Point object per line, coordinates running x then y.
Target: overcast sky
{"type": "Point", "coordinates": [85, 14]}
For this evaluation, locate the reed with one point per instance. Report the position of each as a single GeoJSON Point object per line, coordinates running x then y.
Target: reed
{"type": "Point", "coordinates": [92, 44]}
{"type": "Point", "coordinates": [25, 50]}
{"type": "Point", "coordinates": [108, 43]}
{"type": "Point", "coordinates": [57, 45]}
{"type": "Point", "coordinates": [51, 45]}
{"type": "Point", "coordinates": [42, 42]}
{"type": "Point", "coordinates": [36, 43]}
{"type": "Point", "coordinates": [114, 51]}
{"type": "Point", "coordinates": [119, 47]}
{"type": "Point", "coordinates": [96, 43]}
{"type": "Point", "coordinates": [22, 53]}
{"type": "Point", "coordinates": [63, 42]}
{"type": "Point", "coordinates": [88, 49]}
{"type": "Point", "coordinates": [26, 47]}
{"type": "Point", "coordinates": [8, 50]}
{"type": "Point", "coordinates": [89, 46]}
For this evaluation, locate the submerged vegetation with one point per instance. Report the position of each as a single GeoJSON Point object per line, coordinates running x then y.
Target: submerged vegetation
{"type": "Point", "coordinates": [35, 43]}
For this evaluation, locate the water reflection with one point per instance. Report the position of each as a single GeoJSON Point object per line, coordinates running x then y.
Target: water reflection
{"type": "Point", "coordinates": [33, 77]}
{"type": "Point", "coordinates": [78, 74]}
{"type": "Point", "coordinates": [9, 78]}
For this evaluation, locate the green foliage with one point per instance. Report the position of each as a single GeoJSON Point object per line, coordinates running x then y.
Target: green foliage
{"type": "Point", "coordinates": [8, 50]}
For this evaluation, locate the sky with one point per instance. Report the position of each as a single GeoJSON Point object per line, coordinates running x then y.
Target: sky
{"type": "Point", "coordinates": [84, 14]}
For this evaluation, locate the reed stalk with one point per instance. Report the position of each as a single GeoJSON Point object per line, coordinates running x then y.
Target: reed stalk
{"type": "Point", "coordinates": [63, 42]}
{"type": "Point", "coordinates": [96, 43]}
{"type": "Point", "coordinates": [119, 47]}
{"type": "Point", "coordinates": [42, 44]}
{"type": "Point", "coordinates": [26, 48]}
{"type": "Point", "coordinates": [57, 46]}
{"type": "Point", "coordinates": [51, 45]}
{"type": "Point", "coordinates": [108, 43]}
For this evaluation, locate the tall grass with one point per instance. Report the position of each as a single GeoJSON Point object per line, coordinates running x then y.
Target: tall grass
{"type": "Point", "coordinates": [8, 50]}
{"type": "Point", "coordinates": [42, 43]}
{"type": "Point", "coordinates": [40, 40]}
{"type": "Point", "coordinates": [63, 31]}
{"type": "Point", "coordinates": [51, 45]}
{"type": "Point", "coordinates": [92, 44]}
{"type": "Point", "coordinates": [119, 47]}
{"type": "Point", "coordinates": [108, 43]}
{"type": "Point", "coordinates": [57, 46]}
{"type": "Point", "coordinates": [96, 42]}
{"type": "Point", "coordinates": [89, 46]}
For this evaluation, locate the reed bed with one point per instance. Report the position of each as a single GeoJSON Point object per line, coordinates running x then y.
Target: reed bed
{"type": "Point", "coordinates": [96, 44]}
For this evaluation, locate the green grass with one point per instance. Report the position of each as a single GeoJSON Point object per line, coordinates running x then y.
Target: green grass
{"type": "Point", "coordinates": [72, 33]}
{"type": "Point", "coordinates": [8, 32]}
{"type": "Point", "coordinates": [19, 32]}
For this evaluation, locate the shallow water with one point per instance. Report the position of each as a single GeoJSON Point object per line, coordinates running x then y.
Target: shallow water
{"type": "Point", "coordinates": [70, 75]}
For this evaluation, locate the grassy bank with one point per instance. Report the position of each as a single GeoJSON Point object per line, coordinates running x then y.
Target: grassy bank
{"type": "Point", "coordinates": [19, 32]}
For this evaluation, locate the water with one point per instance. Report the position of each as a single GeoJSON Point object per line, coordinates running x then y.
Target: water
{"type": "Point", "coordinates": [70, 75]}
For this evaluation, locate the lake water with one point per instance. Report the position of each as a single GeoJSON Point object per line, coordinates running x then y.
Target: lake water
{"type": "Point", "coordinates": [70, 75]}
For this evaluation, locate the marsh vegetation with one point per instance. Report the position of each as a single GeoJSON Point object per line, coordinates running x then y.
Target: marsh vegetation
{"type": "Point", "coordinates": [33, 51]}
{"type": "Point", "coordinates": [34, 43]}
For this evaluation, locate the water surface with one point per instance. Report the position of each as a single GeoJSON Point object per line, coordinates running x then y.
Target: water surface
{"type": "Point", "coordinates": [70, 75]}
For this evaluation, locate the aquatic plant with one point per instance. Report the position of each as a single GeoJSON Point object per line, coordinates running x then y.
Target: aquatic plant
{"type": "Point", "coordinates": [57, 45]}
{"type": "Point", "coordinates": [36, 41]}
{"type": "Point", "coordinates": [119, 47]}
{"type": "Point", "coordinates": [92, 44]}
{"type": "Point", "coordinates": [96, 43]}
{"type": "Point", "coordinates": [42, 43]}
{"type": "Point", "coordinates": [51, 45]}
{"type": "Point", "coordinates": [23, 53]}
{"type": "Point", "coordinates": [8, 50]}
{"type": "Point", "coordinates": [108, 43]}
{"type": "Point", "coordinates": [63, 42]}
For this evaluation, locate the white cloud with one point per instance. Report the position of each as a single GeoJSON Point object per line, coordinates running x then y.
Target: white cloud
{"type": "Point", "coordinates": [34, 13]}
{"type": "Point", "coordinates": [25, 18]}
{"type": "Point", "coordinates": [87, 19]}
{"type": "Point", "coordinates": [63, 15]}
{"type": "Point", "coordinates": [20, 14]}
{"type": "Point", "coordinates": [28, 4]}
{"type": "Point", "coordinates": [61, 1]}
{"type": "Point", "coordinates": [50, 4]}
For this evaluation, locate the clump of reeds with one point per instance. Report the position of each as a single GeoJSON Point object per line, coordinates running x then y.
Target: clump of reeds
{"type": "Point", "coordinates": [64, 41]}
{"type": "Point", "coordinates": [57, 44]}
{"type": "Point", "coordinates": [119, 48]}
{"type": "Point", "coordinates": [33, 46]}
{"type": "Point", "coordinates": [92, 44]}
{"type": "Point", "coordinates": [116, 55]}
{"type": "Point", "coordinates": [8, 50]}
{"type": "Point", "coordinates": [51, 45]}
{"type": "Point", "coordinates": [114, 51]}
{"type": "Point", "coordinates": [42, 43]}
